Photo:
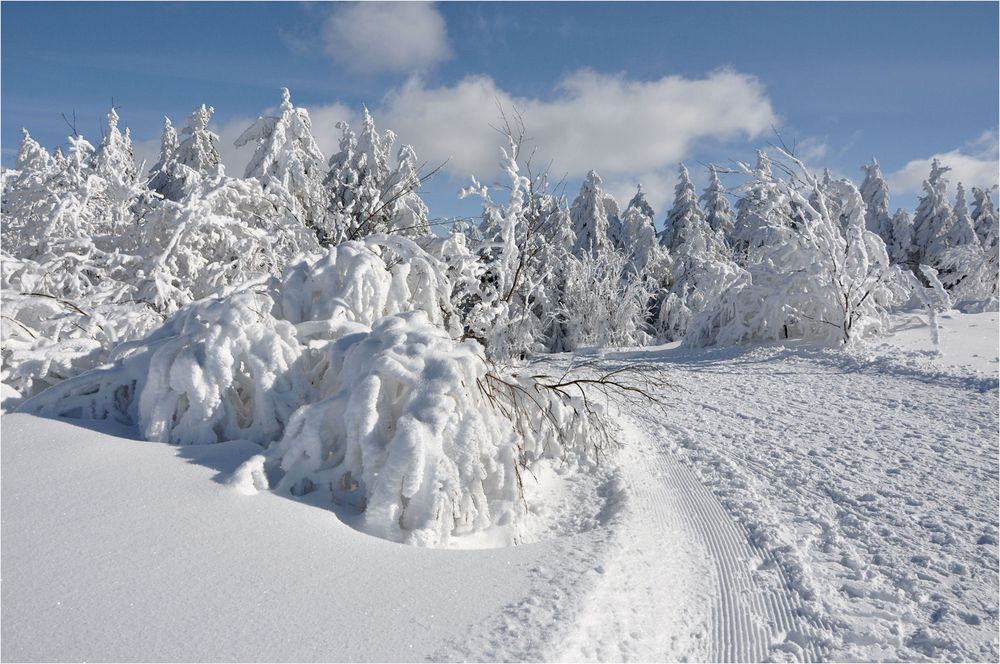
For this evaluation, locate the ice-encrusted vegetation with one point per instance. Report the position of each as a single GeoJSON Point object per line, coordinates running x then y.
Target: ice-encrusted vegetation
{"type": "Point", "coordinates": [310, 307]}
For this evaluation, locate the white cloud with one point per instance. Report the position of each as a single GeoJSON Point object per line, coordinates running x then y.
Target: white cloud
{"type": "Point", "coordinates": [594, 121]}
{"type": "Point", "coordinates": [376, 37]}
{"type": "Point", "coordinates": [974, 165]}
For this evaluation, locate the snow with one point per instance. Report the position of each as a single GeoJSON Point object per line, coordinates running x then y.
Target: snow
{"type": "Point", "coordinates": [791, 503]}
{"type": "Point", "coordinates": [968, 341]}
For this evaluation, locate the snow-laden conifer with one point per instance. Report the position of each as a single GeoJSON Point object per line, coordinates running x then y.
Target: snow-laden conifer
{"type": "Point", "coordinates": [984, 217]}
{"type": "Point", "coordinates": [875, 194]}
{"type": "Point", "coordinates": [718, 211]}
{"type": "Point", "coordinates": [933, 219]}
{"type": "Point", "coordinates": [286, 155]}
{"type": "Point", "coordinates": [368, 194]}
{"type": "Point", "coordinates": [589, 213]}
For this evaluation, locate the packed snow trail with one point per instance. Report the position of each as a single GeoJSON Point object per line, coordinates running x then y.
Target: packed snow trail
{"type": "Point", "coordinates": [685, 582]}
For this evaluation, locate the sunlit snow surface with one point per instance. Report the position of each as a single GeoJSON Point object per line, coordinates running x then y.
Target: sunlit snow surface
{"type": "Point", "coordinates": [790, 503]}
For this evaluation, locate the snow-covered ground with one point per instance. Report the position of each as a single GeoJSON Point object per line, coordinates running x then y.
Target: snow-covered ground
{"type": "Point", "coordinates": [789, 502]}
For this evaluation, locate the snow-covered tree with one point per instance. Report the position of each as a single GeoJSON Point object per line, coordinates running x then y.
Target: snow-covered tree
{"type": "Point", "coordinates": [753, 210]}
{"type": "Point", "coordinates": [115, 158]}
{"type": "Point", "coordinates": [161, 175]}
{"type": "Point", "coordinates": [121, 190]}
{"type": "Point", "coordinates": [31, 157]}
{"type": "Point", "coordinates": [933, 219]}
{"type": "Point", "coordinates": [984, 217]}
{"type": "Point", "coordinates": [963, 231]}
{"type": "Point", "coordinates": [820, 277]}
{"type": "Point", "coordinates": [900, 249]}
{"type": "Point", "coordinates": [589, 213]}
{"type": "Point", "coordinates": [367, 194]}
{"type": "Point", "coordinates": [875, 194]}
{"type": "Point", "coordinates": [685, 217]}
{"type": "Point", "coordinates": [718, 211]}
{"type": "Point", "coordinates": [638, 237]}
{"type": "Point", "coordinates": [701, 266]}
{"type": "Point", "coordinates": [286, 155]}
{"type": "Point", "coordinates": [964, 268]}
{"type": "Point", "coordinates": [26, 196]}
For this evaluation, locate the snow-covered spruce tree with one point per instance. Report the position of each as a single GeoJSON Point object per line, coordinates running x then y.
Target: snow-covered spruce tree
{"type": "Point", "coordinates": [685, 221]}
{"type": "Point", "coordinates": [700, 262]}
{"type": "Point", "coordinates": [933, 219]}
{"type": "Point", "coordinates": [26, 196]}
{"type": "Point", "coordinates": [196, 157]}
{"type": "Point", "coordinates": [718, 211]}
{"type": "Point", "coordinates": [161, 175]}
{"type": "Point", "coordinates": [963, 231]}
{"type": "Point", "coordinates": [814, 280]}
{"type": "Point", "coordinates": [752, 228]}
{"type": "Point", "coordinates": [638, 238]}
{"type": "Point", "coordinates": [901, 247]}
{"type": "Point", "coordinates": [366, 193]}
{"type": "Point", "coordinates": [121, 189]}
{"type": "Point", "coordinates": [286, 156]}
{"type": "Point", "coordinates": [875, 194]}
{"type": "Point", "coordinates": [589, 213]}
{"type": "Point", "coordinates": [984, 217]}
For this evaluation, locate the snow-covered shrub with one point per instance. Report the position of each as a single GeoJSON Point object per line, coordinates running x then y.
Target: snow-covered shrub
{"type": "Point", "coordinates": [345, 369]}
{"type": "Point", "coordinates": [602, 303]}
{"type": "Point", "coordinates": [403, 431]}
{"type": "Point", "coordinates": [47, 339]}
{"type": "Point", "coordinates": [226, 232]}
{"type": "Point", "coordinates": [219, 369]}
{"type": "Point", "coordinates": [503, 294]}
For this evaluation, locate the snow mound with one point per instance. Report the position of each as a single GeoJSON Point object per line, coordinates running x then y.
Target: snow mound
{"type": "Point", "coordinates": [345, 371]}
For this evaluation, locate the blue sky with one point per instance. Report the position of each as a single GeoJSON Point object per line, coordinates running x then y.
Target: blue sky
{"type": "Point", "coordinates": [630, 89]}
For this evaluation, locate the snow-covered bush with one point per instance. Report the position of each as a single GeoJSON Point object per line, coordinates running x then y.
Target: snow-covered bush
{"type": "Point", "coordinates": [602, 303]}
{"type": "Point", "coordinates": [226, 232]}
{"type": "Point", "coordinates": [345, 369]}
{"type": "Point", "coordinates": [403, 432]}
{"type": "Point", "coordinates": [47, 339]}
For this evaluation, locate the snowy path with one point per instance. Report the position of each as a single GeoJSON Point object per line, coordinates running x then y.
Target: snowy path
{"type": "Point", "coordinates": [853, 504]}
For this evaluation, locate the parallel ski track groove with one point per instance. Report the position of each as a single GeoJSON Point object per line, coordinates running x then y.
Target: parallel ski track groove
{"type": "Point", "coordinates": [748, 618]}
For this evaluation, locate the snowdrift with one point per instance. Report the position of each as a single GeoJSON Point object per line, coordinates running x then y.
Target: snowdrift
{"type": "Point", "coordinates": [344, 371]}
